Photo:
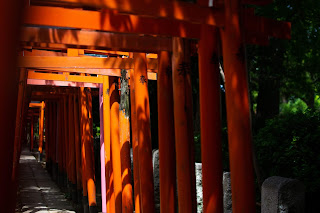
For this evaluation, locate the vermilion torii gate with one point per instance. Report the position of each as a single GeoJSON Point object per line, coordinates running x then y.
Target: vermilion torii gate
{"type": "Point", "coordinates": [61, 32]}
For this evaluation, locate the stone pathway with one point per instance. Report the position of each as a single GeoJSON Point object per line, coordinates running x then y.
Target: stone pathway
{"type": "Point", "coordinates": [37, 193]}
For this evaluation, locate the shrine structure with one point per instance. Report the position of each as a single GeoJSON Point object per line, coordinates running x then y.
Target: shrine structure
{"type": "Point", "coordinates": [61, 49]}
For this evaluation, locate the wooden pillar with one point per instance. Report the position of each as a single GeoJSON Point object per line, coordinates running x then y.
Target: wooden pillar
{"type": "Point", "coordinates": [66, 137]}
{"type": "Point", "coordinates": [31, 134]}
{"type": "Point", "coordinates": [144, 133]}
{"type": "Point", "coordinates": [107, 142]}
{"type": "Point", "coordinates": [72, 154]}
{"type": "Point", "coordinates": [91, 184]}
{"type": "Point", "coordinates": [211, 148]}
{"type": "Point", "coordinates": [167, 154]}
{"type": "Point", "coordinates": [115, 142]}
{"type": "Point", "coordinates": [41, 125]}
{"type": "Point", "coordinates": [8, 94]}
{"type": "Point", "coordinates": [102, 152]}
{"type": "Point", "coordinates": [77, 143]}
{"type": "Point", "coordinates": [183, 126]}
{"type": "Point", "coordinates": [135, 143]}
{"type": "Point", "coordinates": [61, 144]}
{"type": "Point", "coordinates": [18, 127]}
{"type": "Point", "coordinates": [53, 146]}
{"type": "Point", "coordinates": [124, 126]}
{"type": "Point", "coordinates": [238, 111]}
{"type": "Point", "coordinates": [89, 190]}
{"type": "Point", "coordinates": [47, 131]}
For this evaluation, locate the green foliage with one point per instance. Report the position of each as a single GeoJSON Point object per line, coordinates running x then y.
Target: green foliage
{"type": "Point", "coordinates": [293, 106]}
{"type": "Point", "coordinates": [289, 146]}
{"type": "Point", "coordinates": [294, 62]}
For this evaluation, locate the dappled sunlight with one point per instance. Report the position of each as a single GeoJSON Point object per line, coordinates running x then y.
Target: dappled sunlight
{"type": "Point", "coordinates": [37, 193]}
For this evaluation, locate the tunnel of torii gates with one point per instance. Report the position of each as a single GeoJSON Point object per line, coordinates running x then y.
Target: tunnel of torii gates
{"type": "Point", "coordinates": [59, 42]}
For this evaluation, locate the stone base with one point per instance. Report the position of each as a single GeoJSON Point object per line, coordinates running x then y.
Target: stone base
{"type": "Point", "coordinates": [282, 195]}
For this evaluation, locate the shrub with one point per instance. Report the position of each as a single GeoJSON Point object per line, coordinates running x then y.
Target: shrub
{"type": "Point", "coordinates": [289, 146]}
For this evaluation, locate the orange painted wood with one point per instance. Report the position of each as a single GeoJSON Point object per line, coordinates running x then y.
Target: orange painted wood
{"type": "Point", "coordinates": [8, 93]}
{"type": "Point", "coordinates": [144, 133]}
{"type": "Point", "coordinates": [60, 136]}
{"type": "Point", "coordinates": [80, 62]}
{"type": "Point", "coordinates": [210, 120]}
{"type": "Point", "coordinates": [71, 120]}
{"type": "Point", "coordinates": [38, 105]}
{"type": "Point", "coordinates": [90, 154]}
{"type": "Point", "coordinates": [108, 72]}
{"type": "Point", "coordinates": [106, 132]}
{"type": "Point", "coordinates": [47, 130]}
{"type": "Point", "coordinates": [61, 83]}
{"type": "Point", "coordinates": [31, 134]}
{"type": "Point", "coordinates": [238, 111]}
{"type": "Point", "coordinates": [115, 142]}
{"type": "Point", "coordinates": [66, 136]}
{"type": "Point", "coordinates": [77, 140]}
{"type": "Point", "coordinates": [83, 122]}
{"type": "Point", "coordinates": [152, 74]}
{"type": "Point", "coordinates": [262, 26]}
{"type": "Point", "coordinates": [34, 36]}
{"type": "Point", "coordinates": [54, 132]}
{"type": "Point", "coordinates": [183, 126]}
{"type": "Point", "coordinates": [63, 77]}
{"type": "Point", "coordinates": [167, 154]}
{"type": "Point", "coordinates": [135, 143]}
{"type": "Point", "coordinates": [111, 21]}
{"type": "Point", "coordinates": [18, 121]}
{"type": "Point", "coordinates": [87, 151]}
{"type": "Point", "coordinates": [41, 126]}
{"type": "Point", "coordinates": [124, 128]}
{"type": "Point", "coordinates": [165, 9]}
{"type": "Point", "coordinates": [257, 2]}
{"type": "Point", "coordinates": [112, 204]}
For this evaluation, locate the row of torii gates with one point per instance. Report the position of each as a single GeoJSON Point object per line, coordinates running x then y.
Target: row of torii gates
{"type": "Point", "coordinates": [55, 39]}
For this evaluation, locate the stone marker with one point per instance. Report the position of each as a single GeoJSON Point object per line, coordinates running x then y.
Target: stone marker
{"type": "Point", "coordinates": [227, 200]}
{"type": "Point", "coordinates": [227, 196]}
{"type": "Point", "coordinates": [156, 179]}
{"type": "Point", "coordinates": [199, 187]}
{"type": "Point", "coordinates": [282, 195]}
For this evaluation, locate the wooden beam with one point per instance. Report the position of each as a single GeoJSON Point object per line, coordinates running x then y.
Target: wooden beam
{"type": "Point", "coordinates": [257, 2]}
{"type": "Point", "coordinates": [157, 9]}
{"type": "Point", "coordinates": [81, 62]}
{"type": "Point", "coordinates": [262, 26]}
{"type": "Point", "coordinates": [63, 77]}
{"type": "Point", "coordinates": [35, 105]}
{"type": "Point", "coordinates": [60, 83]}
{"type": "Point", "coordinates": [110, 21]}
{"type": "Point", "coordinates": [107, 72]}
{"type": "Point", "coordinates": [93, 39]}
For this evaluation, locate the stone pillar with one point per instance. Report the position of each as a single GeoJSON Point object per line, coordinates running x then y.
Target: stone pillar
{"type": "Point", "coordinates": [156, 178]}
{"type": "Point", "coordinates": [227, 195]}
{"type": "Point", "coordinates": [199, 188]}
{"type": "Point", "coordinates": [282, 195]}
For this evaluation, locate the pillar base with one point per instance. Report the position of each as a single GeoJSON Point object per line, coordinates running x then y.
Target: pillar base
{"type": "Point", "coordinates": [85, 204]}
{"type": "Point", "coordinates": [69, 190]}
{"type": "Point", "coordinates": [79, 196]}
{"type": "Point", "coordinates": [49, 166]}
{"type": "Point", "coordinates": [74, 195]}
{"type": "Point", "coordinates": [93, 209]}
{"type": "Point", "coordinates": [60, 179]}
{"type": "Point", "coordinates": [54, 172]}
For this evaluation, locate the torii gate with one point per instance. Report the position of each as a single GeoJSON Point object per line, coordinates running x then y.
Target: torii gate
{"type": "Point", "coordinates": [162, 27]}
